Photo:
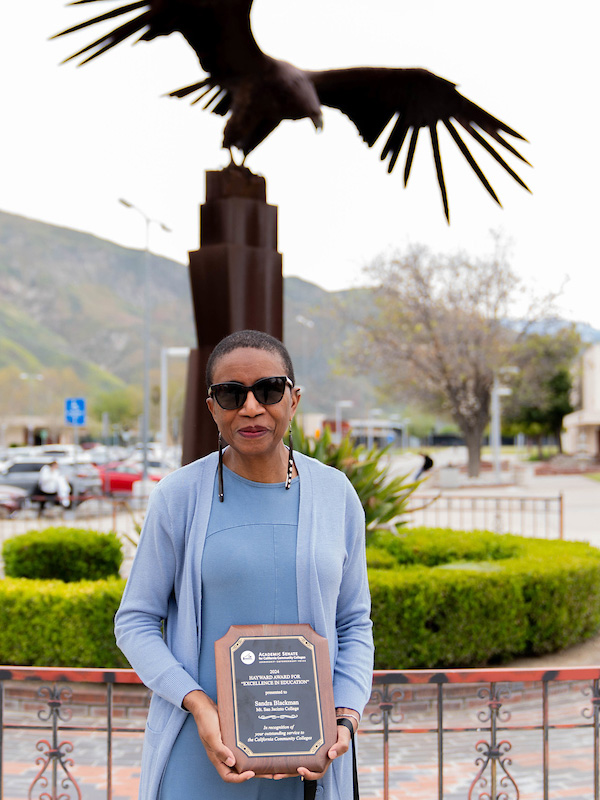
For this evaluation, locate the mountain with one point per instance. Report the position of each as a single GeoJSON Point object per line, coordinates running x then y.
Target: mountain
{"type": "Point", "coordinates": [70, 299]}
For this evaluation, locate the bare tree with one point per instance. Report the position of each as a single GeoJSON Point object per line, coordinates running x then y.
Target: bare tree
{"type": "Point", "coordinates": [441, 333]}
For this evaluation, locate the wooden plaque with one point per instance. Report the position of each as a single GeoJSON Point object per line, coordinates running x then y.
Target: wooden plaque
{"type": "Point", "coordinates": [275, 697]}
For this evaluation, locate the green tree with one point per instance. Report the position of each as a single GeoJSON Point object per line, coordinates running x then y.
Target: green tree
{"type": "Point", "coordinates": [542, 386]}
{"type": "Point", "coordinates": [123, 406]}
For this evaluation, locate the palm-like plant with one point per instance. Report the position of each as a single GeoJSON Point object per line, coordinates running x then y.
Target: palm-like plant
{"type": "Point", "coordinates": [384, 498]}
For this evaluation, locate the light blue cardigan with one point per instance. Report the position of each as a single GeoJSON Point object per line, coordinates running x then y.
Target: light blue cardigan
{"type": "Point", "coordinates": [165, 585]}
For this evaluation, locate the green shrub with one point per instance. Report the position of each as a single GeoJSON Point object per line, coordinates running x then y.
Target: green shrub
{"type": "Point", "coordinates": [456, 599]}
{"type": "Point", "coordinates": [431, 547]}
{"type": "Point", "coordinates": [66, 554]}
{"type": "Point", "coordinates": [51, 623]}
{"type": "Point", "coordinates": [441, 598]}
{"type": "Point", "coordinates": [425, 618]}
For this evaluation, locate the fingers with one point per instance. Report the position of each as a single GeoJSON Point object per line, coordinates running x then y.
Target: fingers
{"type": "Point", "coordinates": [223, 761]}
{"type": "Point", "coordinates": [310, 776]}
{"type": "Point", "coordinates": [338, 749]}
{"type": "Point", "coordinates": [221, 756]}
{"type": "Point", "coordinates": [280, 775]}
{"type": "Point", "coordinates": [206, 717]}
{"type": "Point", "coordinates": [342, 744]}
{"type": "Point", "coordinates": [231, 776]}
{"type": "Point", "coordinates": [217, 751]}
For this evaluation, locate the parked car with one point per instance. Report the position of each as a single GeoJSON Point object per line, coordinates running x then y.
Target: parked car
{"type": "Point", "coordinates": [24, 473]}
{"type": "Point", "coordinates": [12, 499]}
{"type": "Point", "coordinates": [120, 478]}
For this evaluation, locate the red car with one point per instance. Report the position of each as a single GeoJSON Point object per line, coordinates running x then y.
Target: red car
{"type": "Point", "coordinates": [119, 478]}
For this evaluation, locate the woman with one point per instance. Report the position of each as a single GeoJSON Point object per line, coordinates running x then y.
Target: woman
{"type": "Point", "coordinates": [253, 534]}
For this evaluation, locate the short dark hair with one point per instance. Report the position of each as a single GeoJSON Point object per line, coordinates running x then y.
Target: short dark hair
{"type": "Point", "coordinates": [258, 340]}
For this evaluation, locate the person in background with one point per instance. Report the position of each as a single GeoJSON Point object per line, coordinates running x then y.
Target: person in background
{"type": "Point", "coordinates": [52, 482]}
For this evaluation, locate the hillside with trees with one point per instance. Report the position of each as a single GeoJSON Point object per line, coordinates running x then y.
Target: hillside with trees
{"type": "Point", "coordinates": [71, 309]}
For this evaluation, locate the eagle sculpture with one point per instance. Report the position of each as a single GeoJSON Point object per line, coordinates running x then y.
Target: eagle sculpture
{"type": "Point", "coordinates": [258, 92]}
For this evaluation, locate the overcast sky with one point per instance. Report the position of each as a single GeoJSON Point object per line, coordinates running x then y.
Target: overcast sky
{"type": "Point", "coordinates": [77, 139]}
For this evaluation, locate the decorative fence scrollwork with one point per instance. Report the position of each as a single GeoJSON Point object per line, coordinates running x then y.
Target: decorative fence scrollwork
{"type": "Point", "coordinates": [398, 716]}
{"type": "Point", "coordinates": [494, 753]}
{"type": "Point", "coordinates": [54, 763]}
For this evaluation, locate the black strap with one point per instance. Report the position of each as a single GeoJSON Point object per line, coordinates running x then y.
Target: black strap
{"type": "Point", "coordinates": [310, 790]}
{"type": "Point", "coordinates": [310, 787]}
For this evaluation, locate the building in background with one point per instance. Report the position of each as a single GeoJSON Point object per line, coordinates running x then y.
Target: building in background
{"type": "Point", "coordinates": [582, 427]}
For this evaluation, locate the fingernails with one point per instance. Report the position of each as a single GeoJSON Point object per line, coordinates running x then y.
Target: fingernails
{"type": "Point", "coordinates": [230, 761]}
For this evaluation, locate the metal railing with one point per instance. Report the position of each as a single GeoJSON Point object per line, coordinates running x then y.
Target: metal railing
{"type": "Point", "coordinates": [445, 734]}
{"type": "Point", "coordinates": [54, 774]}
{"type": "Point", "coordinates": [488, 734]}
{"type": "Point", "coordinates": [124, 516]}
{"type": "Point", "coordinates": [526, 516]}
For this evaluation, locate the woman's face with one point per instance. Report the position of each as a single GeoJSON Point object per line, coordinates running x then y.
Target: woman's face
{"type": "Point", "coordinates": [253, 429]}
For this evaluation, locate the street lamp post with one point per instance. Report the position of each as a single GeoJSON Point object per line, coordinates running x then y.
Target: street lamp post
{"type": "Point", "coordinates": [374, 412]}
{"type": "Point", "coordinates": [146, 407]}
{"type": "Point", "coordinates": [338, 417]}
{"type": "Point", "coordinates": [498, 391]}
{"type": "Point", "coordinates": [181, 352]}
{"type": "Point", "coordinates": [405, 440]}
{"type": "Point", "coordinates": [403, 422]}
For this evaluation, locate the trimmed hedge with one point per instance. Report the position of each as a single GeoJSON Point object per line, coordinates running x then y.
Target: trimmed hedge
{"type": "Point", "coordinates": [51, 623]}
{"type": "Point", "coordinates": [445, 598]}
{"type": "Point", "coordinates": [66, 554]}
{"type": "Point", "coordinates": [441, 598]}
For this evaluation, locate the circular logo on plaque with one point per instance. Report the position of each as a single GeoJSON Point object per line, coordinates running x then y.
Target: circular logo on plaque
{"type": "Point", "coordinates": [248, 657]}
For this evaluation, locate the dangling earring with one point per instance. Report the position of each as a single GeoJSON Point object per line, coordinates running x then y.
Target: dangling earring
{"type": "Point", "coordinates": [290, 466]}
{"type": "Point", "coordinates": [221, 495]}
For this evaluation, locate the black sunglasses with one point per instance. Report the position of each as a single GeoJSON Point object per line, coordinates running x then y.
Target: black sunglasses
{"type": "Point", "coordinates": [267, 391]}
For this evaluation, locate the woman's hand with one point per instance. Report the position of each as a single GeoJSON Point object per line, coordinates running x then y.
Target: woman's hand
{"type": "Point", "coordinates": [206, 718]}
{"type": "Point", "coordinates": [338, 749]}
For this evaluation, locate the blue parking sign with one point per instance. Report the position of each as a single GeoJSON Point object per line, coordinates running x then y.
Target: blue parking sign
{"type": "Point", "coordinates": [75, 411]}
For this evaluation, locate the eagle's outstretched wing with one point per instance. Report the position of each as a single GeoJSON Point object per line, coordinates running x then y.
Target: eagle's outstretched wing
{"type": "Point", "coordinates": [372, 96]}
{"type": "Point", "coordinates": [218, 31]}
{"type": "Point", "coordinates": [260, 91]}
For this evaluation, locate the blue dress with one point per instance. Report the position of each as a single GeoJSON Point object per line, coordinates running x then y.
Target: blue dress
{"type": "Point", "coordinates": [248, 578]}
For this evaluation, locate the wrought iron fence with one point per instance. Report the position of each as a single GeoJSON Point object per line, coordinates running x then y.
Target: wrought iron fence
{"type": "Point", "coordinates": [63, 704]}
{"type": "Point", "coordinates": [526, 516]}
{"type": "Point", "coordinates": [492, 734]}
{"type": "Point", "coordinates": [101, 513]}
{"type": "Point", "coordinates": [489, 734]}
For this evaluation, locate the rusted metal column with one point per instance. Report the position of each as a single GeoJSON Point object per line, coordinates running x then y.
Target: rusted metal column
{"type": "Point", "coordinates": [236, 281]}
